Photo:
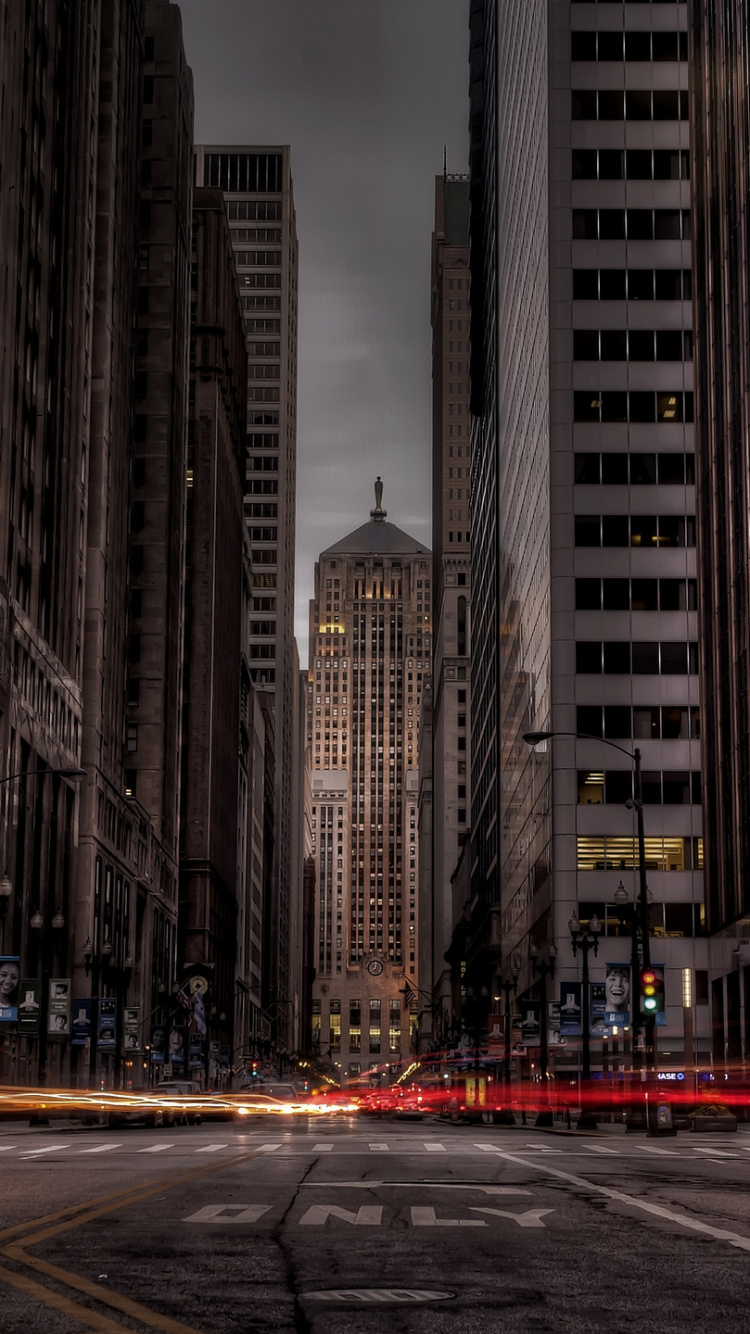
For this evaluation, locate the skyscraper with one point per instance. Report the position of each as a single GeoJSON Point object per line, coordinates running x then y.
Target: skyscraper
{"type": "Point", "coordinates": [257, 186]}
{"type": "Point", "coordinates": [596, 623]}
{"type": "Point", "coordinates": [370, 651]}
{"type": "Point", "coordinates": [448, 730]}
{"type": "Point", "coordinates": [720, 163]}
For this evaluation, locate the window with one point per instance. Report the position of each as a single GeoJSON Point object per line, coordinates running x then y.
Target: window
{"type": "Point", "coordinates": [635, 406]}
{"type": "Point", "coordinates": [374, 1026]}
{"type": "Point", "coordinates": [335, 1025]}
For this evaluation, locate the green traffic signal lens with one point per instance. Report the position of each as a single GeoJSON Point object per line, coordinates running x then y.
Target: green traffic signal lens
{"type": "Point", "coordinates": [649, 1003]}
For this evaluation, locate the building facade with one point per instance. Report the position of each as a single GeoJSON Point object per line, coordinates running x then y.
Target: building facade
{"type": "Point", "coordinates": [721, 167]}
{"type": "Point", "coordinates": [213, 897]}
{"type": "Point", "coordinates": [596, 617]}
{"type": "Point", "coordinates": [258, 189]}
{"type": "Point", "coordinates": [447, 789]}
{"type": "Point", "coordinates": [370, 655]}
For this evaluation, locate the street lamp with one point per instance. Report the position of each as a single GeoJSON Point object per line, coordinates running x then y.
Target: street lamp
{"type": "Point", "coordinates": [543, 969]}
{"type": "Point", "coordinates": [585, 941]}
{"type": "Point", "coordinates": [534, 739]}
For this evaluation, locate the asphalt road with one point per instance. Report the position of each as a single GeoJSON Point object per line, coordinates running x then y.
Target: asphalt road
{"type": "Point", "coordinates": [360, 1227]}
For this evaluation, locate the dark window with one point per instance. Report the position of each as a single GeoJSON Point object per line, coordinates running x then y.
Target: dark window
{"type": "Point", "coordinates": [677, 788]}
{"type": "Point", "coordinates": [651, 787]}
{"type": "Point", "coordinates": [589, 719]}
{"type": "Point", "coordinates": [669, 345]}
{"type": "Point", "coordinates": [139, 472]}
{"type": "Point", "coordinates": [611, 162]}
{"type": "Point", "coordinates": [646, 724]}
{"type": "Point", "coordinates": [641, 345]}
{"type": "Point", "coordinates": [643, 530]}
{"type": "Point", "coordinates": [585, 285]}
{"type": "Point", "coordinates": [584, 164]}
{"type": "Point", "coordinates": [583, 104]}
{"type": "Point", "coordinates": [667, 224]}
{"type": "Point", "coordinates": [616, 594]}
{"type": "Point", "coordinates": [674, 723]}
{"type": "Point", "coordinates": [638, 104]}
{"type": "Point", "coordinates": [665, 46]}
{"type": "Point", "coordinates": [137, 516]}
{"type": "Point", "coordinates": [640, 224]}
{"type": "Point", "coordinates": [642, 406]}
{"type": "Point", "coordinates": [611, 224]}
{"type": "Point", "coordinates": [143, 300]}
{"type": "Point", "coordinates": [640, 284]}
{"type": "Point", "coordinates": [610, 105]}
{"type": "Point", "coordinates": [587, 530]}
{"type": "Point", "coordinates": [615, 406]}
{"type": "Point", "coordinates": [586, 406]}
{"type": "Point", "coordinates": [695, 723]}
{"type": "Point", "coordinates": [614, 469]}
{"type": "Point", "coordinates": [583, 46]}
{"type": "Point", "coordinates": [643, 469]}
{"type": "Point", "coordinates": [617, 658]}
{"type": "Point", "coordinates": [617, 721]}
{"type": "Point", "coordinates": [589, 594]}
{"type": "Point", "coordinates": [148, 48]}
{"type": "Point", "coordinates": [667, 163]}
{"type": "Point", "coordinates": [668, 285]}
{"type": "Point", "coordinates": [134, 648]}
{"type": "Point", "coordinates": [585, 224]}
{"type": "Point", "coordinates": [637, 45]}
{"type": "Point", "coordinates": [690, 469]}
{"type": "Point", "coordinates": [587, 469]}
{"type": "Point", "coordinates": [671, 469]}
{"type": "Point", "coordinates": [674, 659]}
{"type": "Point", "coordinates": [147, 133]}
{"type": "Point", "coordinates": [588, 657]}
{"type": "Point", "coordinates": [672, 594]}
{"type": "Point", "coordinates": [645, 659]}
{"type": "Point", "coordinates": [666, 105]}
{"type": "Point", "coordinates": [701, 985]}
{"type": "Point", "coordinates": [136, 560]}
{"type": "Point", "coordinates": [615, 530]}
{"type": "Point", "coordinates": [585, 345]}
{"type": "Point", "coordinates": [618, 786]}
{"type": "Point", "coordinates": [612, 284]}
{"type": "Point", "coordinates": [134, 691]}
{"type": "Point", "coordinates": [644, 595]}
{"type": "Point", "coordinates": [673, 530]}
{"type": "Point", "coordinates": [687, 284]}
{"type": "Point", "coordinates": [638, 164]}
{"type": "Point", "coordinates": [610, 46]}
{"type": "Point", "coordinates": [148, 89]}
{"type": "Point", "coordinates": [614, 345]}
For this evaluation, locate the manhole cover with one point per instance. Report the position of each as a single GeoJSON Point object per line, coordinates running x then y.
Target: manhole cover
{"type": "Point", "coordinates": [379, 1296]}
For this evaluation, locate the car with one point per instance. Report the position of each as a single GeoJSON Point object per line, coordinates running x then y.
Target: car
{"type": "Point", "coordinates": [180, 1090]}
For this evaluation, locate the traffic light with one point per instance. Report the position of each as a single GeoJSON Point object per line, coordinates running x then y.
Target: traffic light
{"type": "Point", "coordinates": [652, 991]}
{"type": "Point", "coordinates": [255, 1070]}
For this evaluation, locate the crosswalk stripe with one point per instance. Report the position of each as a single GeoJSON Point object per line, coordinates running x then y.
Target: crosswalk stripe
{"type": "Point", "coordinates": [322, 1148]}
{"type": "Point", "coordinates": [715, 1153]}
{"type": "Point", "coordinates": [599, 1148]}
{"type": "Point", "coordinates": [156, 1148]}
{"type": "Point", "coordinates": [36, 1153]}
{"type": "Point", "coordinates": [435, 1148]}
{"type": "Point", "coordinates": [5, 1148]}
{"type": "Point", "coordinates": [101, 1148]}
{"type": "Point", "coordinates": [649, 1148]}
{"type": "Point", "coordinates": [266, 1148]}
{"type": "Point", "coordinates": [211, 1148]}
{"type": "Point", "coordinates": [379, 1148]}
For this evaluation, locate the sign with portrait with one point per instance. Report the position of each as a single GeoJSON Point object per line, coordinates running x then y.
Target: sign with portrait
{"type": "Point", "coordinates": [107, 1031]}
{"type": "Point", "coordinates": [158, 1043]}
{"type": "Point", "coordinates": [81, 1022]}
{"type": "Point", "coordinates": [554, 1037]}
{"type": "Point", "coordinates": [58, 1013]}
{"type": "Point", "coordinates": [176, 1050]}
{"type": "Point", "coordinates": [131, 1028]}
{"type": "Point", "coordinates": [195, 1051]}
{"type": "Point", "coordinates": [29, 1005]}
{"type": "Point", "coordinates": [617, 994]}
{"type": "Point", "coordinates": [570, 1009]}
{"type": "Point", "coordinates": [10, 978]}
{"type": "Point", "coordinates": [597, 1010]}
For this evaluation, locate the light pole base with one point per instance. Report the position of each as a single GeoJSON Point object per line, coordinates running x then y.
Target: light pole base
{"type": "Point", "coordinates": [587, 1121]}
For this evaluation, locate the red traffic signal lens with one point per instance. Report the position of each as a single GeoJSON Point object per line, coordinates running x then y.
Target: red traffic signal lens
{"type": "Point", "coordinates": [648, 977]}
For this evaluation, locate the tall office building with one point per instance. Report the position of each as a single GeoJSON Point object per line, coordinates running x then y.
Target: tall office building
{"type": "Point", "coordinates": [257, 185]}
{"type": "Point", "coordinates": [49, 74]}
{"type": "Point", "coordinates": [445, 795]}
{"type": "Point", "coordinates": [594, 500]}
{"type": "Point", "coordinates": [720, 164]}
{"type": "Point", "coordinates": [370, 653]}
{"type": "Point", "coordinates": [214, 899]}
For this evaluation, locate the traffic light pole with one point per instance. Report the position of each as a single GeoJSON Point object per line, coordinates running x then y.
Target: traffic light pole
{"type": "Point", "coordinates": [649, 1020]}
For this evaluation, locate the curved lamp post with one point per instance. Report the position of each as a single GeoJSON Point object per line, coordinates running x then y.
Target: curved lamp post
{"type": "Point", "coordinates": [585, 941]}
{"type": "Point", "coordinates": [543, 969]}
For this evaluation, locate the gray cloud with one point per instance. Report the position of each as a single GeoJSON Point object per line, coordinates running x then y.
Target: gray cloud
{"type": "Point", "coordinates": [367, 92]}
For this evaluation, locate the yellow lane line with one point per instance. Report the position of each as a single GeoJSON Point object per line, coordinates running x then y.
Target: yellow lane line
{"type": "Point", "coordinates": [100, 1323]}
{"type": "Point", "coordinates": [64, 1213]}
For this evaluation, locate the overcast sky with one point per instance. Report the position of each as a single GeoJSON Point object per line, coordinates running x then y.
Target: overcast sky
{"type": "Point", "coordinates": [367, 93]}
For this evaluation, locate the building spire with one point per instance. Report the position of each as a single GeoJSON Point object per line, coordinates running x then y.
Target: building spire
{"type": "Point", "coordinates": [378, 515]}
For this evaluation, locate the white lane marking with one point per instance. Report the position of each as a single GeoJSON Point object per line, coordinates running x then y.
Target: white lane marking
{"type": "Point", "coordinates": [599, 1148]}
{"type": "Point", "coordinates": [379, 1148]}
{"type": "Point", "coordinates": [421, 1217]}
{"type": "Point", "coordinates": [4, 1148]}
{"type": "Point", "coordinates": [101, 1148]}
{"type": "Point", "coordinates": [531, 1218]}
{"type": "Point", "coordinates": [322, 1148]}
{"type": "Point", "coordinates": [156, 1148]}
{"type": "Point", "coordinates": [36, 1153]}
{"type": "Point", "coordinates": [716, 1153]}
{"type": "Point", "coordinates": [435, 1148]}
{"type": "Point", "coordinates": [650, 1148]}
{"type": "Point", "coordinates": [368, 1215]}
{"type": "Point", "coordinates": [212, 1148]}
{"type": "Point", "coordinates": [415, 1185]}
{"type": "Point", "coordinates": [657, 1210]}
{"type": "Point", "coordinates": [228, 1213]}
{"type": "Point", "coordinates": [488, 1148]}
